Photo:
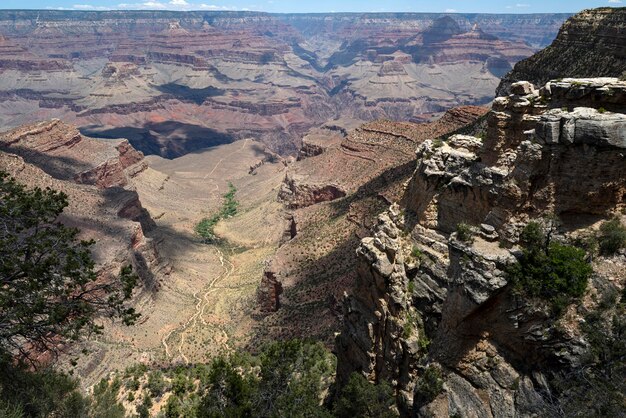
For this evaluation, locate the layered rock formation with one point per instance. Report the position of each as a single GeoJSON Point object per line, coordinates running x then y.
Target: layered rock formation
{"type": "Point", "coordinates": [176, 82]}
{"type": "Point", "coordinates": [301, 288]}
{"type": "Point", "coordinates": [597, 32]}
{"type": "Point", "coordinates": [427, 300]}
{"type": "Point", "coordinates": [95, 175]}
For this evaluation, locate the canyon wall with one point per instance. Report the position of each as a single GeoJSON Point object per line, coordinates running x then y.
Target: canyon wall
{"type": "Point", "coordinates": [174, 82]}
{"type": "Point", "coordinates": [429, 302]}
{"type": "Point", "coordinates": [590, 44]}
{"type": "Point", "coordinates": [96, 176]}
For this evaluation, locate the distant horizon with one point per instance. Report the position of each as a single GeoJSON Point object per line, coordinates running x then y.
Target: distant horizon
{"type": "Point", "coordinates": [319, 7]}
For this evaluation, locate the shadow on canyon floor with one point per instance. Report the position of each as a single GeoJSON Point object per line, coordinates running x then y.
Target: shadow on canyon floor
{"type": "Point", "coordinates": [168, 139]}
{"type": "Point", "coordinates": [185, 93]}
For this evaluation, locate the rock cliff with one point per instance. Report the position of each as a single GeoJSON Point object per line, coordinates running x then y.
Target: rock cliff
{"type": "Point", "coordinates": [147, 76]}
{"type": "Point", "coordinates": [598, 32]}
{"type": "Point", "coordinates": [96, 177]}
{"type": "Point", "coordinates": [430, 302]}
{"type": "Point", "coordinates": [301, 288]}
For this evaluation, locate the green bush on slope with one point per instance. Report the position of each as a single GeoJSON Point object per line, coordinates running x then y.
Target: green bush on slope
{"type": "Point", "coordinates": [205, 228]}
{"type": "Point", "coordinates": [555, 272]}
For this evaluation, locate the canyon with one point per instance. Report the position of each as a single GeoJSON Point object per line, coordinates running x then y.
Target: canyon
{"type": "Point", "coordinates": [361, 149]}
{"type": "Point", "coordinates": [172, 83]}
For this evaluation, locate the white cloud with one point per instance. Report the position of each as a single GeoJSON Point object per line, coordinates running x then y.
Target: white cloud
{"type": "Point", "coordinates": [519, 6]}
{"type": "Point", "coordinates": [179, 5]}
{"type": "Point", "coordinates": [451, 10]}
{"type": "Point", "coordinates": [88, 7]}
{"type": "Point", "coordinates": [615, 1]}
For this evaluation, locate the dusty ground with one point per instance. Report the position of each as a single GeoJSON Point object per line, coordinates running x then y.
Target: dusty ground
{"type": "Point", "coordinates": [206, 304]}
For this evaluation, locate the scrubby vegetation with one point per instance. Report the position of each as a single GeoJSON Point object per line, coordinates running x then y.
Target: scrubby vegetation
{"type": "Point", "coordinates": [286, 379]}
{"type": "Point", "coordinates": [205, 228]}
{"type": "Point", "coordinates": [360, 398]}
{"type": "Point", "coordinates": [597, 387]}
{"type": "Point", "coordinates": [465, 232]}
{"type": "Point", "coordinates": [429, 385]}
{"type": "Point", "coordinates": [555, 272]}
{"type": "Point", "coordinates": [612, 237]}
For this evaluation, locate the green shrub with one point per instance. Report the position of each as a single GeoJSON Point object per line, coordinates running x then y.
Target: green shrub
{"type": "Point", "coordinates": [612, 237]}
{"type": "Point", "coordinates": [411, 287]}
{"type": "Point", "coordinates": [287, 379]}
{"type": "Point", "coordinates": [104, 401]}
{"type": "Point", "coordinates": [465, 232]}
{"type": "Point", "coordinates": [416, 253]}
{"type": "Point", "coordinates": [132, 384]}
{"type": "Point", "coordinates": [360, 398]}
{"type": "Point", "coordinates": [205, 228]}
{"type": "Point", "coordinates": [532, 236]}
{"type": "Point", "coordinates": [423, 342]}
{"type": "Point", "coordinates": [181, 385]}
{"type": "Point", "coordinates": [173, 407]}
{"type": "Point", "coordinates": [143, 410]}
{"type": "Point", "coordinates": [136, 370]}
{"type": "Point", "coordinates": [41, 393]}
{"type": "Point", "coordinates": [429, 385]}
{"type": "Point", "coordinates": [156, 383]}
{"type": "Point", "coordinates": [547, 270]}
{"type": "Point", "coordinates": [412, 322]}
{"type": "Point", "coordinates": [601, 110]}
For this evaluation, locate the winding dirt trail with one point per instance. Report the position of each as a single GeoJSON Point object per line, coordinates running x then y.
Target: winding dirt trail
{"type": "Point", "coordinates": [203, 302]}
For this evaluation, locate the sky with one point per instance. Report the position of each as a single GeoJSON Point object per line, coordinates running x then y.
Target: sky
{"type": "Point", "coordinates": [307, 6]}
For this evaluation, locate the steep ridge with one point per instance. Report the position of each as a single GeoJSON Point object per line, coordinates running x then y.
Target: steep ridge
{"type": "Point", "coordinates": [598, 32]}
{"type": "Point", "coordinates": [176, 82]}
{"type": "Point", "coordinates": [95, 175]}
{"type": "Point", "coordinates": [432, 306]}
{"type": "Point", "coordinates": [303, 282]}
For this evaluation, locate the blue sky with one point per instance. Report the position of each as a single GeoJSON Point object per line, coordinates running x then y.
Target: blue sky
{"type": "Point", "coordinates": [461, 6]}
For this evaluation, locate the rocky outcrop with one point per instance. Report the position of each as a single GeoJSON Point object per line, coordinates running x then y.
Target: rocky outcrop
{"type": "Point", "coordinates": [382, 330]}
{"type": "Point", "coordinates": [297, 193]}
{"type": "Point", "coordinates": [320, 140]}
{"type": "Point", "coordinates": [315, 264]}
{"type": "Point", "coordinates": [269, 291]}
{"type": "Point", "coordinates": [96, 177]}
{"type": "Point", "coordinates": [597, 32]}
{"type": "Point", "coordinates": [496, 350]}
{"type": "Point", "coordinates": [60, 150]}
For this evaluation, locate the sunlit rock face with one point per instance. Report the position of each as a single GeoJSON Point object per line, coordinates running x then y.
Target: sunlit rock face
{"type": "Point", "coordinates": [549, 151]}
{"type": "Point", "coordinates": [597, 32]}
{"type": "Point", "coordinates": [177, 82]}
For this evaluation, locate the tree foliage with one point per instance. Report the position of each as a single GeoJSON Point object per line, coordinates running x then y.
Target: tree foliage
{"type": "Point", "coordinates": [286, 380]}
{"type": "Point", "coordinates": [549, 270]}
{"type": "Point", "coordinates": [49, 289]}
{"type": "Point", "coordinates": [360, 398]}
{"type": "Point", "coordinates": [205, 228]}
{"type": "Point", "coordinates": [612, 237]}
{"type": "Point", "coordinates": [230, 392]}
{"type": "Point", "coordinates": [45, 393]}
{"type": "Point", "coordinates": [429, 385]}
